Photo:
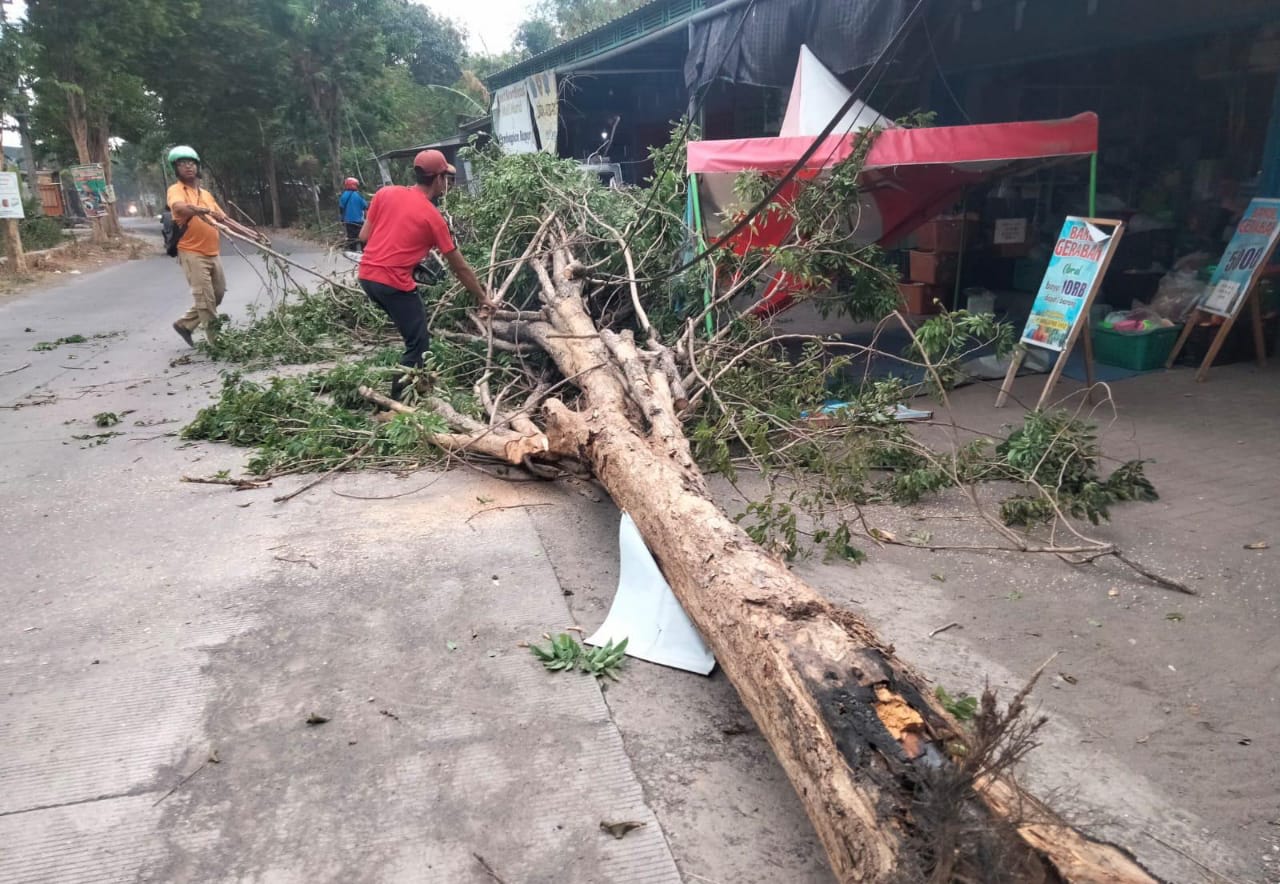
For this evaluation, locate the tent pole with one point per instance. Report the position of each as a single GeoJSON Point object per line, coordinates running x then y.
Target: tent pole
{"type": "Point", "coordinates": [695, 202]}
{"type": "Point", "coordinates": [964, 220]}
{"type": "Point", "coordinates": [1093, 184]}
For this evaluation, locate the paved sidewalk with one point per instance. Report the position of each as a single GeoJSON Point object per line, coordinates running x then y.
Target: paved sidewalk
{"type": "Point", "coordinates": [1167, 733]}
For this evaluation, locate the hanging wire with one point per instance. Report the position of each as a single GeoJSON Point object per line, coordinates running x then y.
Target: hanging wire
{"type": "Point", "coordinates": [893, 45]}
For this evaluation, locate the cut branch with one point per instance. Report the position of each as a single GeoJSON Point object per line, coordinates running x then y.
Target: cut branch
{"type": "Point", "coordinates": [474, 437]}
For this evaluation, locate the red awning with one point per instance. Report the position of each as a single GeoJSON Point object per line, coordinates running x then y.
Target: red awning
{"type": "Point", "coordinates": [909, 176]}
{"type": "Point", "coordinates": [945, 145]}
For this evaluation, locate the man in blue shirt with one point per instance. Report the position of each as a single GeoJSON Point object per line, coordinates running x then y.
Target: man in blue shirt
{"type": "Point", "coordinates": [352, 206]}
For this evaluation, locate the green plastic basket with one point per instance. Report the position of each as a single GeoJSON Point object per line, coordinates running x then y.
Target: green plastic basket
{"type": "Point", "coordinates": [1141, 351]}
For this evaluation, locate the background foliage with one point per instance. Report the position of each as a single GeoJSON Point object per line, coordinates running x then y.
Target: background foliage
{"type": "Point", "coordinates": [284, 95]}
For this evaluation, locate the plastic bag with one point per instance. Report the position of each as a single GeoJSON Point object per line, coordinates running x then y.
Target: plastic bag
{"type": "Point", "coordinates": [1178, 293]}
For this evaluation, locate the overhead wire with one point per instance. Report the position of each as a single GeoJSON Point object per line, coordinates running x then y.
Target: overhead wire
{"type": "Point", "coordinates": [893, 45]}
{"type": "Point", "coordinates": [933, 53]}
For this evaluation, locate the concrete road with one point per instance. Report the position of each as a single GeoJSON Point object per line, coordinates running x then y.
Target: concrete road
{"type": "Point", "coordinates": [165, 643]}
{"type": "Point", "coordinates": [153, 626]}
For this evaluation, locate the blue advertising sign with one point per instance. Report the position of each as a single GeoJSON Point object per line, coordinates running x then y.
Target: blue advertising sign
{"type": "Point", "coordinates": [1254, 240]}
{"type": "Point", "coordinates": [1075, 269]}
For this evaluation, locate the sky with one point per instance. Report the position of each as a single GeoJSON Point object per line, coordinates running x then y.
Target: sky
{"type": "Point", "coordinates": [490, 24]}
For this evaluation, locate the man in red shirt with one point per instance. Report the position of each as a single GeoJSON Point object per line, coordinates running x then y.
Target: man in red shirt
{"type": "Point", "coordinates": [402, 226]}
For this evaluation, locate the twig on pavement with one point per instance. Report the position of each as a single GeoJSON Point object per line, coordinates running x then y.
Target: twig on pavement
{"type": "Point", "coordinates": [238, 484]}
{"type": "Point", "coordinates": [314, 482]}
{"type": "Point", "coordinates": [488, 868]}
{"type": "Point", "coordinates": [514, 506]}
{"type": "Point", "coordinates": [212, 759]}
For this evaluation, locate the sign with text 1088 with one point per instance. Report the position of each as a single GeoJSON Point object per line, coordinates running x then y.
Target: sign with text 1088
{"type": "Point", "coordinates": [1254, 240]}
{"type": "Point", "coordinates": [1073, 273]}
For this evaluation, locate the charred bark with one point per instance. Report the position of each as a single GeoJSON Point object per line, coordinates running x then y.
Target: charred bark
{"type": "Point", "coordinates": [854, 728]}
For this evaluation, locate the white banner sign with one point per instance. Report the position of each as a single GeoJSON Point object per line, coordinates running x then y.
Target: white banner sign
{"type": "Point", "coordinates": [10, 197]}
{"type": "Point", "coordinates": [546, 108]}
{"type": "Point", "coordinates": [1010, 232]}
{"type": "Point", "coordinates": [513, 120]}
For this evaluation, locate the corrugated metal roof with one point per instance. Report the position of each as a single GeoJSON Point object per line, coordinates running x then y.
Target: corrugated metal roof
{"type": "Point", "coordinates": [650, 17]}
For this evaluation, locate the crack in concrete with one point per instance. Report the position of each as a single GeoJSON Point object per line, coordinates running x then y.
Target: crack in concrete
{"type": "Point", "coordinates": [132, 793]}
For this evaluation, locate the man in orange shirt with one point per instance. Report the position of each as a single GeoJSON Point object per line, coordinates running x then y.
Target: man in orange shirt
{"type": "Point", "coordinates": [199, 246]}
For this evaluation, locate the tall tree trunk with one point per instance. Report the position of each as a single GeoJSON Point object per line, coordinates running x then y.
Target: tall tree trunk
{"type": "Point", "coordinates": [273, 185]}
{"type": "Point", "coordinates": [100, 147]}
{"type": "Point", "coordinates": [78, 129]}
{"type": "Point", "coordinates": [326, 100]}
{"type": "Point", "coordinates": [28, 152]}
{"type": "Point", "coordinates": [335, 156]}
{"type": "Point", "coordinates": [334, 119]}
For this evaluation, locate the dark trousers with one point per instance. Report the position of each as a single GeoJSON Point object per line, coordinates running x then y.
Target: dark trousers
{"type": "Point", "coordinates": [353, 235]}
{"type": "Point", "coordinates": [410, 316]}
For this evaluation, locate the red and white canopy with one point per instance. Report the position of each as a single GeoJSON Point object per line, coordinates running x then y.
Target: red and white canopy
{"type": "Point", "coordinates": [908, 177]}
{"type": "Point", "coordinates": [909, 174]}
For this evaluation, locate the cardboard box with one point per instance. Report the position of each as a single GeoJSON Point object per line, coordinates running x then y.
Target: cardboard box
{"type": "Point", "coordinates": [934, 268]}
{"type": "Point", "coordinates": [947, 233]}
{"type": "Point", "coordinates": [919, 299]}
{"type": "Point", "coordinates": [1012, 250]}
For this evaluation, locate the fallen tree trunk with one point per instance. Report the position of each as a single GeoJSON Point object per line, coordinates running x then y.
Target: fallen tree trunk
{"type": "Point", "coordinates": [895, 789]}
{"type": "Point", "coordinates": [852, 726]}
{"type": "Point", "coordinates": [826, 693]}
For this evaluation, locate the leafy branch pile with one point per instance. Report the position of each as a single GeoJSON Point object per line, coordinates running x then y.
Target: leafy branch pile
{"type": "Point", "coordinates": [316, 422]}
{"type": "Point", "coordinates": [331, 322]}
{"type": "Point", "coordinates": [752, 397]}
{"type": "Point", "coordinates": [599, 362]}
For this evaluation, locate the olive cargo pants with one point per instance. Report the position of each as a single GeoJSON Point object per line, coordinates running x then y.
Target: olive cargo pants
{"type": "Point", "coordinates": [208, 285]}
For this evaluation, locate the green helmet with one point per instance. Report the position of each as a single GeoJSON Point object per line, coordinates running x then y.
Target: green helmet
{"type": "Point", "coordinates": [183, 152]}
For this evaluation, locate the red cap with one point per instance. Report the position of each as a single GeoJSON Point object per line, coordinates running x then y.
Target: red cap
{"type": "Point", "coordinates": [351, 184]}
{"type": "Point", "coordinates": [433, 163]}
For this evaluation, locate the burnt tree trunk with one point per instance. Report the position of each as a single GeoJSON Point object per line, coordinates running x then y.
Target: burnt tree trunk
{"type": "Point", "coordinates": [853, 727]}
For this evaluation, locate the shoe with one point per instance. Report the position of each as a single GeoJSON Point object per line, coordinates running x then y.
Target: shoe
{"type": "Point", "coordinates": [184, 334]}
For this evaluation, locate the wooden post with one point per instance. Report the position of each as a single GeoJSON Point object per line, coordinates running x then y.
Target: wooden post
{"type": "Point", "coordinates": [1259, 339]}
{"type": "Point", "coordinates": [13, 246]}
{"type": "Point", "coordinates": [1193, 319]}
{"type": "Point", "coordinates": [1218, 340]}
{"type": "Point", "coordinates": [1005, 388]}
{"type": "Point", "coordinates": [1088, 360]}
